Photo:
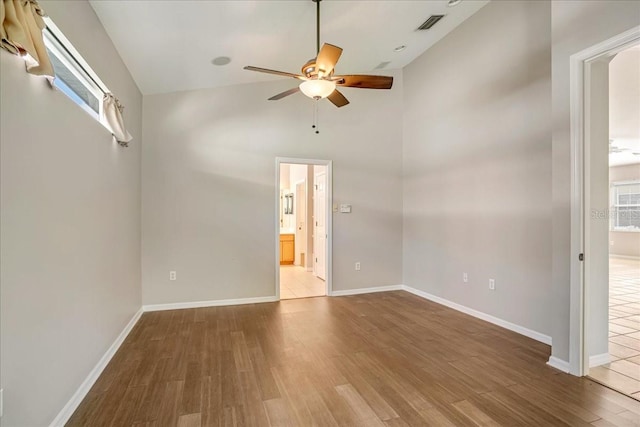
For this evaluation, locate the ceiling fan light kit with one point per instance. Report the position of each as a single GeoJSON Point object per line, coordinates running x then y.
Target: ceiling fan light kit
{"type": "Point", "coordinates": [317, 89]}
{"type": "Point", "coordinates": [318, 76]}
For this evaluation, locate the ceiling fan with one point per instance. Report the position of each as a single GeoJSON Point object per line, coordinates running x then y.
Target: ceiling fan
{"type": "Point", "coordinates": [318, 78]}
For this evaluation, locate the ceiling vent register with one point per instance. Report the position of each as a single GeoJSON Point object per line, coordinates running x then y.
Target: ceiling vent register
{"type": "Point", "coordinates": [430, 22]}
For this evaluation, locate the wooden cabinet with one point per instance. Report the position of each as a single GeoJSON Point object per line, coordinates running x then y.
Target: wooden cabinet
{"type": "Point", "coordinates": [287, 248]}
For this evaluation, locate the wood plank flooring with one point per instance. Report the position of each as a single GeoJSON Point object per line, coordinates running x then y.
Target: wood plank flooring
{"type": "Point", "coordinates": [385, 359]}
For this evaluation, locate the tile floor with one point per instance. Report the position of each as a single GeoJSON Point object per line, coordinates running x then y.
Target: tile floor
{"type": "Point", "coordinates": [623, 373]}
{"type": "Point", "coordinates": [296, 282]}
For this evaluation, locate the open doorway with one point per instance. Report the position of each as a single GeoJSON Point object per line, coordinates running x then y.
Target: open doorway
{"type": "Point", "coordinates": [614, 268]}
{"type": "Point", "coordinates": [303, 228]}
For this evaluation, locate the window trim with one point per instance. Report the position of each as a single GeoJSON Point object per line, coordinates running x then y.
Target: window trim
{"type": "Point", "coordinates": [67, 54]}
{"type": "Point", "coordinates": [614, 205]}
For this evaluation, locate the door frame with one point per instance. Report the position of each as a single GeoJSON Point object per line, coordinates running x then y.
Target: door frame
{"type": "Point", "coordinates": [329, 219]}
{"type": "Point", "coordinates": [580, 75]}
{"type": "Point", "coordinates": [315, 222]}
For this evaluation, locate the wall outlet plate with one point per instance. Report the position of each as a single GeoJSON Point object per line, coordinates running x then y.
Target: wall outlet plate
{"type": "Point", "coordinates": [172, 275]}
{"type": "Point", "coordinates": [345, 208]}
{"type": "Point", "coordinates": [492, 284]}
{"type": "Point", "coordinates": [465, 278]}
{"type": "Point", "coordinates": [357, 266]}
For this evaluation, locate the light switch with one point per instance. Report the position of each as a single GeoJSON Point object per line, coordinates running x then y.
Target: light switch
{"type": "Point", "coordinates": [345, 208]}
{"type": "Point", "coordinates": [335, 207]}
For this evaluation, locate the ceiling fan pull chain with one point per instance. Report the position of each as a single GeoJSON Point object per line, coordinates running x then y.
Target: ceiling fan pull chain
{"type": "Point", "coordinates": [315, 117]}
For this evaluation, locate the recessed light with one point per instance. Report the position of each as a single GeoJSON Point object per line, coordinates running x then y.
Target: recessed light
{"type": "Point", "coordinates": [399, 48]}
{"type": "Point", "coordinates": [221, 60]}
{"type": "Point", "coordinates": [453, 3]}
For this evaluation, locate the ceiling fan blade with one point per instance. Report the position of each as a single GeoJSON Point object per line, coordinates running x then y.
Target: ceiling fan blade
{"type": "Point", "coordinates": [364, 81]}
{"type": "Point", "coordinates": [338, 99]}
{"type": "Point", "coordinates": [327, 58]}
{"type": "Point", "coordinates": [276, 72]}
{"type": "Point", "coordinates": [285, 93]}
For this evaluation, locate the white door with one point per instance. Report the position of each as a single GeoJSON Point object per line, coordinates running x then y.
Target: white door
{"type": "Point", "coordinates": [301, 223]}
{"type": "Point", "coordinates": [320, 227]}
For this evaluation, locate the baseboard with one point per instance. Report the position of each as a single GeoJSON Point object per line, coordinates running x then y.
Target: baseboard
{"type": "Point", "coordinates": [599, 359]}
{"type": "Point", "coordinates": [635, 258]}
{"type": "Point", "coordinates": [73, 403]}
{"type": "Point", "coordinates": [559, 364]}
{"type": "Point", "coordinates": [213, 303]}
{"type": "Point", "coordinates": [366, 290]}
{"type": "Point", "coordinates": [480, 315]}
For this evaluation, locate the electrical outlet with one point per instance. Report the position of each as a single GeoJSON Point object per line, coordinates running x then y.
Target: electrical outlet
{"type": "Point", "coordinates": [465, 278]}
{"type": "Point", "coordinates": [172, 275]}
{"type": "Point", "coordinates": [492, 284]}
{"type": "Point", "coordinates": [357, 266]}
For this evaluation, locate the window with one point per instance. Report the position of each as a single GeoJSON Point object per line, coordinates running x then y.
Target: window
{"type": "Point", "coordinates": [625, 206]}
{"type": "Point", "coordinates": [74, 77]}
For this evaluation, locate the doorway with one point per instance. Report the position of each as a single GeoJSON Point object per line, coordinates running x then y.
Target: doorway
{"type": "Point", "coordinates": [303, 229]}
{"type": "Point", "coordinates": [614, 239]}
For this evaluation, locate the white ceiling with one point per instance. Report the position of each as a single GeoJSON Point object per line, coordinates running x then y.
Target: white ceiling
{"type": "Point", "coordinates": [168, 45]}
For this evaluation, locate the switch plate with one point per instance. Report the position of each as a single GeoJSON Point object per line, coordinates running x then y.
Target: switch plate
{"type": "Point", "coordinates": [345, 208]}
{"type": "Point", "coordinates": [172, 275]}
{"type": "Point", "coordinates": [357, 266]}
{"type": "Point", "coordinates": [492, 284]}
{"type": "Point", "coordinates": [335, 207]}
{"type": "Point", "coordinates": [465, 278]}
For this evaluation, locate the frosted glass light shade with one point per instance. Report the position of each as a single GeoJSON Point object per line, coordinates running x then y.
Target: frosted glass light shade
{"type": "Point", "coordinates": [317, 89]}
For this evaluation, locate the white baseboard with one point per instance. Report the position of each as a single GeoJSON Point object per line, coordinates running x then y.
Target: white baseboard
{"type": "Point", "coordinates": [559, 364]}
{"type": "Point", "coordinates": [599, 359]}
{"type": "Point", "coordinates": [480, 315]}
{"type": "Point", "coordinates": [366, 290]}
{"type": "Point", "coordinates": [213, 303]}
{"type": "Point", "coordinates": [73, 403]}
{"type": "Point", "coordinates": [635, 258]}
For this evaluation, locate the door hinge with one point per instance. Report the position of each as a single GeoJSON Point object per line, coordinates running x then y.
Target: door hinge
{"type": "Point", "coordinates": [581, 257]}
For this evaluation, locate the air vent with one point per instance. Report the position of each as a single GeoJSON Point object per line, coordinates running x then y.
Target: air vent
{"type": "Point", "coordinates": [382, 65]}
{"type": "Point", "coordinates": [433, 20]}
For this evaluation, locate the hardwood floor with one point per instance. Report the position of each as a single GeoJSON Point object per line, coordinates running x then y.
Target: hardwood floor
{"type": "Point", "coordinates": [385, 359]}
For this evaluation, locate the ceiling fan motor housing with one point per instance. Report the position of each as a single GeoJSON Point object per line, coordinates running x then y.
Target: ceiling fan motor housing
{"type": "Point", "coordinates": [309, 69]}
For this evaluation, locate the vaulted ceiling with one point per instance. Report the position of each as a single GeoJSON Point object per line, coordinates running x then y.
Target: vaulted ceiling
{"type": "Point", "coordinates": [169, 45]}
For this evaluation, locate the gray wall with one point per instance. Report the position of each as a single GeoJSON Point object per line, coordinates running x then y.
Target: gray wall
{"type": "Point", "coordinates": [477, 165]}
{"type": "Point", "coordinates": [70, 220]}
{"type": "Point", "coordinates": [624, 243]}
{"type": "Point", "coordinates": [576, 25]}
{"type": "Point", "coordinates": [209, 187]}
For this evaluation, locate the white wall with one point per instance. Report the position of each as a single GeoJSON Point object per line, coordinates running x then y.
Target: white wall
{"type": "Point", "coordinates": [624, 243]}
{"type": "Point", "coordinates": [576, 25]}
{"type": "Point", "coordinates": [209, 178]}
{"type": "Point", "coordinates": [624, 92]}
{"type": "Point", "coordinates": [70, 245]}
{"type": "Point", "coordinates": [477, 165]}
